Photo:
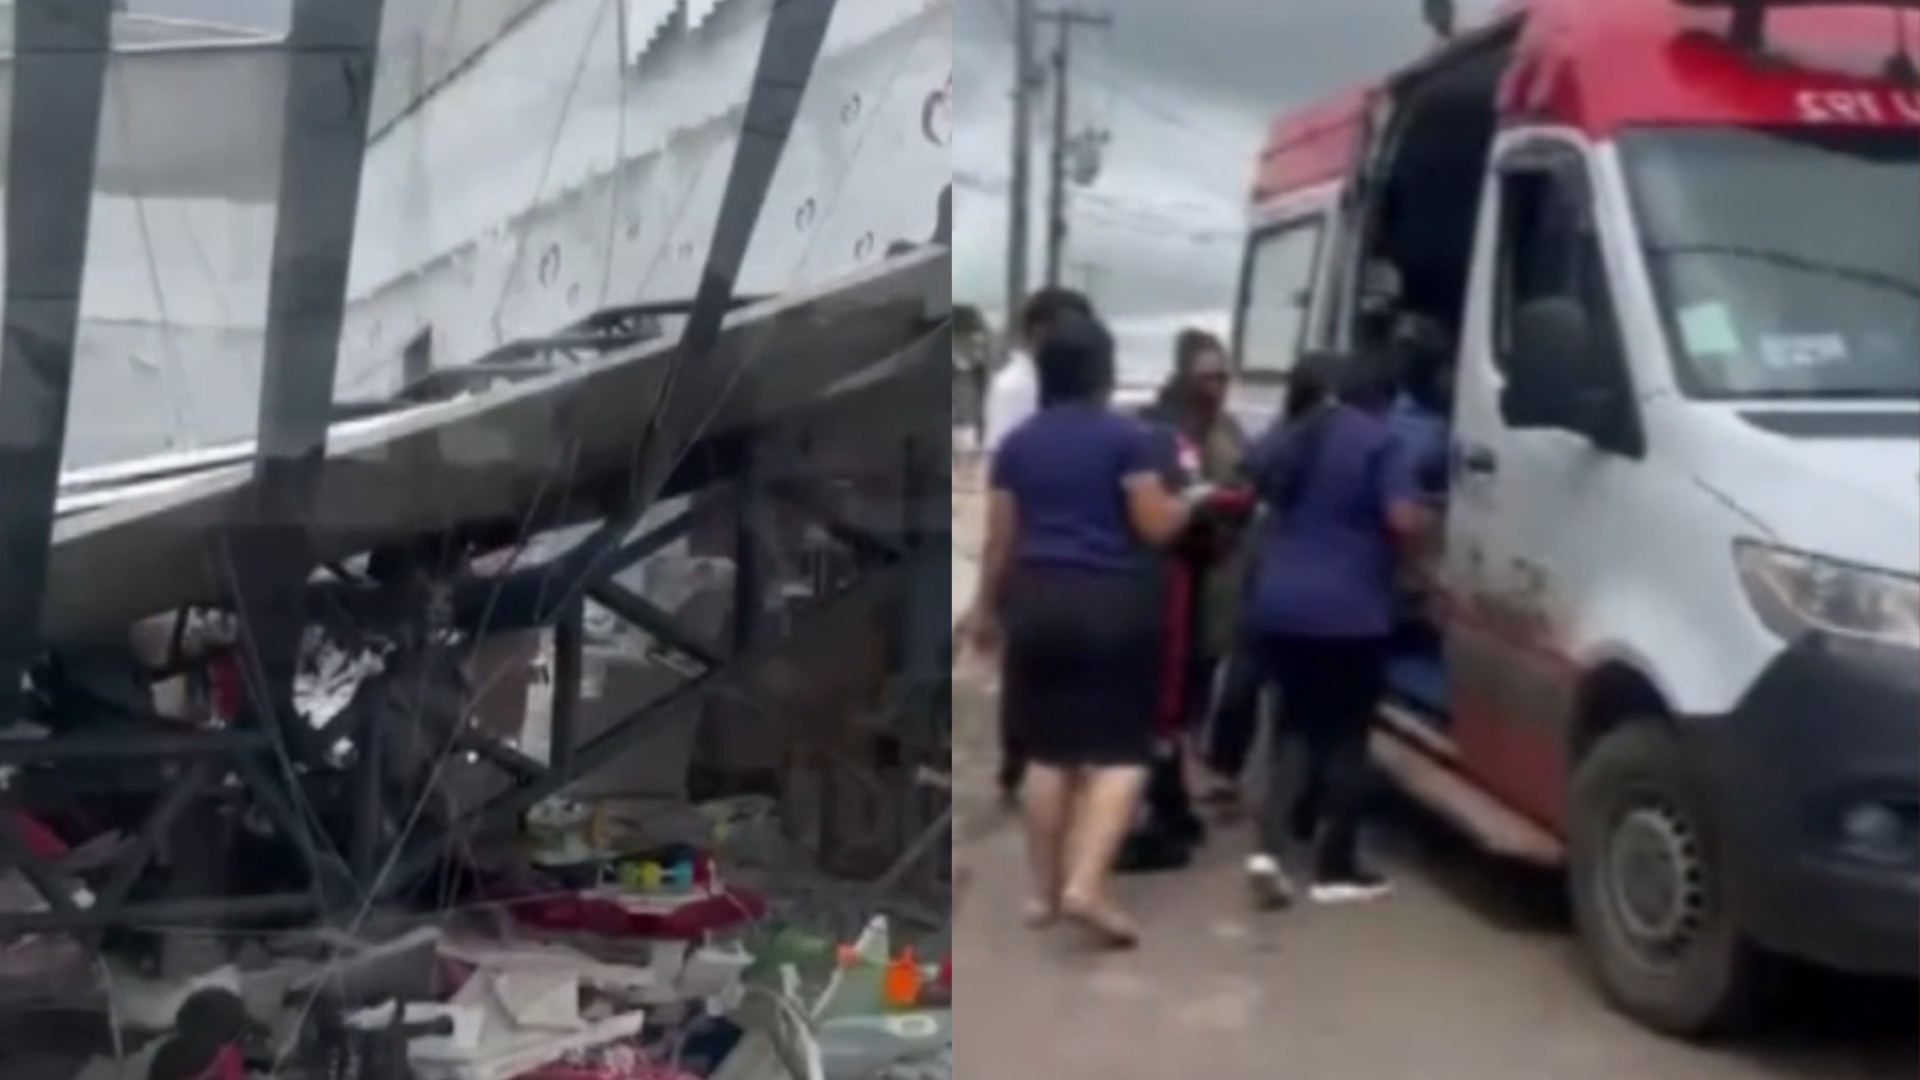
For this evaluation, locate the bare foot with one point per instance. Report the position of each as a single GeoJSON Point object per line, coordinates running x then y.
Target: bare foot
{"type": "Point", "coordinates": [1106, 925]}
{"type": "Point", "coordinates": [1040, 914]}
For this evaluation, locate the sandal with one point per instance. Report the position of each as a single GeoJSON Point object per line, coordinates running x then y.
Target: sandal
{"type": "Point", "coordinates": [1103, 924]}
{"type": "Point", "coordinates": [1039, 914]}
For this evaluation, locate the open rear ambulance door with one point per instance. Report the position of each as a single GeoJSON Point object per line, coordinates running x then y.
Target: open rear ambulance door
{"type": "Point", "coordinates": [1287, 278]}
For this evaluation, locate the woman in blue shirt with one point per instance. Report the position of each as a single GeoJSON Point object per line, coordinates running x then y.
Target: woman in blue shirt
{"type": "Point", "coordinates": [1234, 722]}
{"type": "Point", "coordinates": [1343, 504]}
{"type": "Point", "coordinates": [1068, 592]}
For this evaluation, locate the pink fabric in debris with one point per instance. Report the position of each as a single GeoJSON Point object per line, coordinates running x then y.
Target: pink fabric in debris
{"type": "Point", "coordinates": [620, 1061]}
{"type": "Point", "coordinates": [693, 921]}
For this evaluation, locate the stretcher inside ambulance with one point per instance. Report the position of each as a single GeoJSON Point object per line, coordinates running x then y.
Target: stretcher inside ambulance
{"type": "Point", "coordinates": [1671, 637]}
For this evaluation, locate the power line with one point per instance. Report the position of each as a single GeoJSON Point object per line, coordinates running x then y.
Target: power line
{"type": "Point", "coordinates": [998, 186]}
{"type": "Point", "coordinates": [1140, 102]}
{"type": "Point", "coordinates": [1158, 230]}
{"type": "Point", "coordinates": [1141, 218]}
{"type": "Point", "coordinates": [1116, 87]}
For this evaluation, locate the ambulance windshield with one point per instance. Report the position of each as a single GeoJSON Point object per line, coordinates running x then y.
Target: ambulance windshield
{"type": "Point", "coordinates": [1784, 259]}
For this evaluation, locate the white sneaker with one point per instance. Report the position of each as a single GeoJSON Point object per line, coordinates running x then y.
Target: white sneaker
{"type": "Point", "coordinates": [1267, 879]}
{"type": "Point", "coordinates": [1358, 887]}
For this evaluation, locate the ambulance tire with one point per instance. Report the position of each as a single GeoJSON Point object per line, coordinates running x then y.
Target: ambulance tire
{"type": "Point", "coordinates": [1665, 949]}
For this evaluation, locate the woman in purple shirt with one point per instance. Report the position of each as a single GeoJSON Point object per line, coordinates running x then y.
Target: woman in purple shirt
{"type": "Point", "coordinates": [1069, 594]}
{"type": "Point", "coordinates": [1343, 503]}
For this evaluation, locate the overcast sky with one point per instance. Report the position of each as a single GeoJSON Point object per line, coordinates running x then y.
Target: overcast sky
{"type": "Point", "coordinates": [1186, 88]}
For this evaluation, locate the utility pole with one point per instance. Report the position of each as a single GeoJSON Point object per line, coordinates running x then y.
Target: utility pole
{"type": "Point", "coordinates": [1067, 21]}
{"type": "Point", "coordinates": [1090, 277]}
{"type": "Point", "coordinates": [1020, 176]}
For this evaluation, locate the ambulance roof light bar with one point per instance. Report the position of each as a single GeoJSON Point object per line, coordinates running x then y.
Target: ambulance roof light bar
{"type": "Point", "coordinates": [1749, 26]}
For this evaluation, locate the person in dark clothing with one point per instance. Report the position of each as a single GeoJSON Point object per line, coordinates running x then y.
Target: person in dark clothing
{"type": "Point", "coordinates": [1233, 721]}
{"type": "Point", "coordinates": [1201, 588]}
{"type": "Point", "coordinates": [1010, 400]}
{"type": "Point", "coordinates": [1080, 509]}
{"type": "Point", "coordinates": [1422, 411]}
{"type": "Point", "coordinates": [1193, 405]}
{"type": "Point", "coordinates": [1342, 504]}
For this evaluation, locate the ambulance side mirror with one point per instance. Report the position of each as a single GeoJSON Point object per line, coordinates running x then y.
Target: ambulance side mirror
{"type": "Point", "coordinates": [1559, 379]}
{"type": "Point", "coordinates": [1549, 358]}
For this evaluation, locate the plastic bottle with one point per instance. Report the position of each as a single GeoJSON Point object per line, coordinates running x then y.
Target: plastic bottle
{"type": "Point", "coordinates": [859, 987]}
{"type": "Point", "coordinates": [901, 987]}
{"type": "Point", "coordinates": [679, 876]}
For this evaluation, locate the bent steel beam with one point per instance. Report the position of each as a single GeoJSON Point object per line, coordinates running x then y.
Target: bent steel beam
{"type": "Point", "coordinates": [418, 475]}
{"type": "Point", "coordinates": [648, 618]}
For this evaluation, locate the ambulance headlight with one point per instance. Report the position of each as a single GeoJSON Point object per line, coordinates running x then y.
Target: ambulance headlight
{"type": "Point", "coordinates": [1799, 595]}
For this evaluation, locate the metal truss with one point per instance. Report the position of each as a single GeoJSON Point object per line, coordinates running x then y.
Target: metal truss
{"type": "Point", "coordinates": [187, 769]}
{"type": "Point", "coordinates": [592, 338]}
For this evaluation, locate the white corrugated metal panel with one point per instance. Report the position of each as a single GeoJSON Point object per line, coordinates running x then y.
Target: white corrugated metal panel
{"type": "Point", "coordinates": [428, 42]}
{"type": "Point", "coordinates": [514, 201]}
{"type": "Point", "coordinates": [699, 11]}
{"type": "Point", "coordinates": [647, 20]}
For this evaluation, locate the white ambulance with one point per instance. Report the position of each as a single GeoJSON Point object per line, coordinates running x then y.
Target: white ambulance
{"type": "Point", "coordinates": [1676, 244]}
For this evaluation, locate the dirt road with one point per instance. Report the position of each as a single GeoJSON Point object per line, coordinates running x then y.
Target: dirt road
{"type": "Point", "coordinates": [1466, 973]}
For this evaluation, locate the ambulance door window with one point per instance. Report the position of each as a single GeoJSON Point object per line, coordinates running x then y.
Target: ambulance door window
{"type": "Point", "coordinates": [1537, 246]}
{"type": "Point", "coordinates": [1276, 297]}
{"type": "Point", "coordinates": [1548, 250]}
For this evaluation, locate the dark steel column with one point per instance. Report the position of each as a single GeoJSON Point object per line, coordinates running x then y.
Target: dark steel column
{"type": "Point", "coordinates": [59, 84]}
{"type": "Point", "coordinates": [923, 686]}
{"type": "Point", "coordinates": [796, 32]}
{"type": "Point", "coordinates": [569, 669]}
{"type": "Point", "coordinates": [332, 50]}
{"type": "Point", "coordinates": [749, 569]}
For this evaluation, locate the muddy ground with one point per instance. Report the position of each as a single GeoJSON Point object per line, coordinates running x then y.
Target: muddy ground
{"type": "Point", "coordinates": [1466, 973]}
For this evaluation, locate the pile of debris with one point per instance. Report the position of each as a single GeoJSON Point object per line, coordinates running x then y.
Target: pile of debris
{"type": "Point", "coordinates": [620, 935]}
{"type": "Point", "coordinates": [619, 949]}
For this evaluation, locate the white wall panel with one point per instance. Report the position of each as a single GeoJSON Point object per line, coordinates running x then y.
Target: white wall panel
{"type": "Point", "coordinates": [549, 173]}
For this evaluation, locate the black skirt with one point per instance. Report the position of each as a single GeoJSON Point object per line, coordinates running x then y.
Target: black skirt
{"type": "Point", "coordinates": [1083, 665]}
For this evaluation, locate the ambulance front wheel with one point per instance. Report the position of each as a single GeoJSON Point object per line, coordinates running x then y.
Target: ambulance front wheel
{"type": "Point", "coordinates": [1649, 894]}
